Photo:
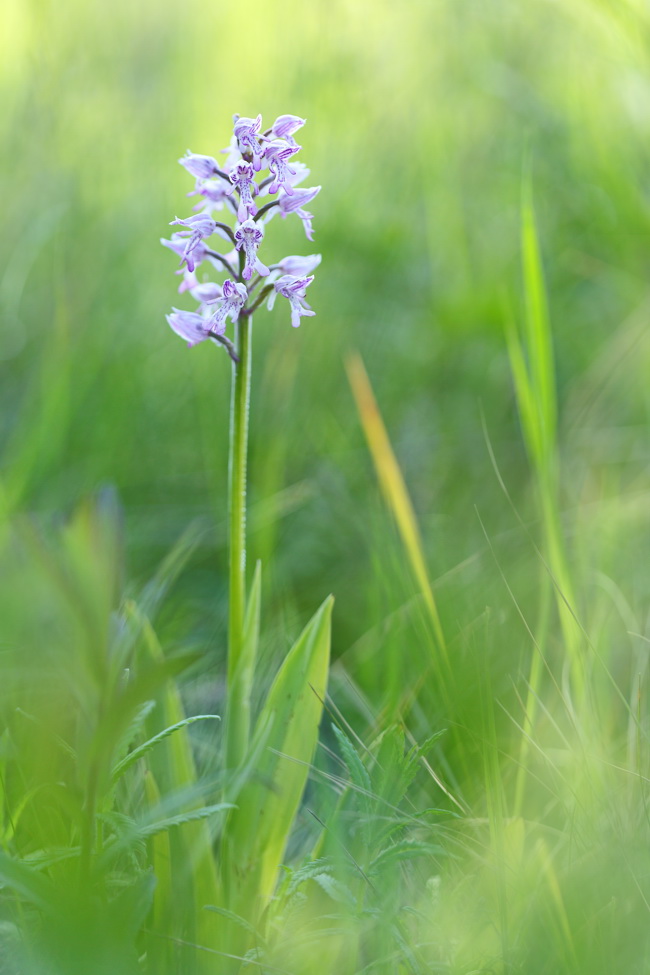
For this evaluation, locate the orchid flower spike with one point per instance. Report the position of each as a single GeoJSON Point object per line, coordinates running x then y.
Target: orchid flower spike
{"type": "Point", "coordinates": [234, 182]}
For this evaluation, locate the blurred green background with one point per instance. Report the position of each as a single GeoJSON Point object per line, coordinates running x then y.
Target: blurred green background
{"type": "Point", "coordinates": [420, 116]}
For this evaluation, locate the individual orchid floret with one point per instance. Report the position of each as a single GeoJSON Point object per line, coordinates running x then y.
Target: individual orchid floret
{"type": "Point", "coordinates": [294, 203]}
{"type": "Point", "coordinates": [200, 226]}
{"type": "Point", "coordinates": [246, 133]}
{"type": "Point", "coordinates": [232, 154]}
{"type": "Point", "coordinates": [214, 193]}
{"type": "Point", "coordinates": [306, 223]}
{"type": "Point", "coordinates": [229, 305]}
{"type": "Point", "coordinates": [299, 173]}
{"type": "Point", "coordinates": [298, 266]}
{"type": "Point", "coordinates": [242, 180]}
{"type": "Point", "coordinates": [284, 127]}
{"type": "Point", "coordinates": [248, 238]}
{"type": "Point", "coordinates": [293, 289]}
{"type": "Point", "coordinates": [277, 154]}
{"type": "Point", "coordinates": [189, 281]}
{"type": "Point", "coordinates": [296, 200]}
{"type": "Point", "coordinates": [178, 245]}
{"type": "Point", "coordinates": [203, 167]}
{"type": "Point", "coordinates": [190, 326]}
{"type": "Point", "coordinates": [208, 293]}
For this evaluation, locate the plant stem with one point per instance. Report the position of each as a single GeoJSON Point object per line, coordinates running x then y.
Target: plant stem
{"type": "Point", "coordinates": [238, 702]}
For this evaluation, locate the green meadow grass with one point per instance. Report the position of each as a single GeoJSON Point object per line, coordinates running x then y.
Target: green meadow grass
{"type": "Point", "coordinates": [456, 448]}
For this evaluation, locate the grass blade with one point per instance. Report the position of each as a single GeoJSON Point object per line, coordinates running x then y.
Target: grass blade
{"type": "Point", "coordinates": [393, 487]}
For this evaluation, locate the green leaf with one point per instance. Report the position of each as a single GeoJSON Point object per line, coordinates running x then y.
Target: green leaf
{"type": "Point", "coordinates": [336, 890]}
{"type": "Point", "coordinates": [28, 883]}
{"type": "Point", "coordinates": [141, 750]}
{"type": "Point", "coordinates": [161, 861]}
{"type": "Point", "coordinates": [538, 329]}
{"type": "Point", "coordinates": [237, 919]}
{"type": "Point", "coordinates": [360, 780]}
{"type": "Point", "coordinates": [134, 728]}
{"type": "Point", "coordinates": [137, 831]}
{"type": "Point", "coordinates": [307, 872]}
{"type": "Point", "coordinates": [404, 851]}
{"type": "Point", "coordinates": [356, 768]}
{"type": "Point", "coordinates": [131, 906]}
{"type": "Point", "coordinates": [257, 833]}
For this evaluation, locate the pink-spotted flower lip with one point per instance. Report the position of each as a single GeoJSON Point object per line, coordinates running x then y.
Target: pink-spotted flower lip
{"type": "Point", "coordinates": [277, 155]}
{"type": "Point", "coordinates": [293, 289]}
{"type": "Point", "coordinates": [242, 179]}
{"type": "Point", "coordinates": [284, 127]}
{"type": "Point", "coordinates": [246, 133]}
{"type": "Point", "coordinates": [232, 288]}
{"type": "Point", "coordinates": [200, 226]}
{"type": "Point", "coordinates": [248, 238]}
{"type": "Point", "coordinates": [228, 305]}
{"type": "Point", "coordinates": [203, 167]}
{"type": "Point", "coordinates": [190, 326]}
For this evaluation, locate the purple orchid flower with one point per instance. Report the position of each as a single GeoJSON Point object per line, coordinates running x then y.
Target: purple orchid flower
{"type": "Point", "coordinates": [189, 326]}
{"type": "Point", "coordinates": [306, 223]}
{"type": "Point", "coordinates": [293, 289]}
{"type": "Point", "coordinates": [248, 237]}
{"type": "Point", "coordinates": [200, 226]}
{"type": "Point", "coordinates": [214, 193]}
{"type": "Point", "coordinates": [203, 167]}
{"type": "Point", "coordinates": [246, 130]}
{"type": "Point", "coordinates": [294, 201]}
{"type": "Point", "coordinates": [216, 184]}
{"type": "Point", "coordinates": [178, 245]}
{"type": "Point", "coordinates": [293, 204]}
{"type": "Point", "coordinates": [284, 127]}
{"type": "Point", "coordinates": [207, 293]}
{"type": "Point", "coordinates": [189, 281]}
{"type": "Point", "coordinates": [299, 173]}
{"type": "Point", "coordinates": [277, 155]}
{"type": "Point", "coordinates": [229, 305]}
{"type": "Point", "coordinates": [242, 179]}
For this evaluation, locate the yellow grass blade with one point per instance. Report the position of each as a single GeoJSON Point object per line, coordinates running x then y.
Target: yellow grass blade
{"type": "Point", "coordinates": [392, 485]}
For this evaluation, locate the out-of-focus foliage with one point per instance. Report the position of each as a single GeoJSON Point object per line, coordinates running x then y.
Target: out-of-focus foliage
{"type": "Point", "coordinates": [423, 119]}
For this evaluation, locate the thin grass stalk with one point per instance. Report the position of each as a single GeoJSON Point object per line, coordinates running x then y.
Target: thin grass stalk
{"type": "Point", "coordinates": [238, 703]}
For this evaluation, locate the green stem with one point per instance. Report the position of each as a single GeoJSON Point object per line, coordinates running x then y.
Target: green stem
{"type": "Point", "coordinates": [238, 701]}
